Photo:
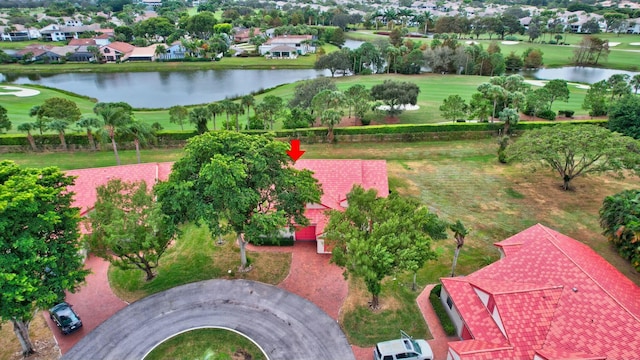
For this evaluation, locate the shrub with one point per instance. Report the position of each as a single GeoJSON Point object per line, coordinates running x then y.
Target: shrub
{"type": "Point", "coordinates": [567, 113]}
{"type": "Point", "coordinates": [547, 114]}
{"type": "Point", "coordinates": [272, 241]}
{"type": "Point", "coordinates": [511, 38]}
{"type": "Point", "coordinates": [445, 321]}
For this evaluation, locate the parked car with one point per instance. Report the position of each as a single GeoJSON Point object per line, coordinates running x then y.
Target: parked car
{"type": "Point", "coordinates": [404, 348]}
{"type": "Point", "coordinates": [65, 318]}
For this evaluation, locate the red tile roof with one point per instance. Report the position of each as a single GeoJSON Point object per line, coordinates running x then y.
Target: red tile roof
{"type": "Point", "coordinates": [555, 298]}
{"type": "Point", "coordinates": [80, 42]}
{"type": "Point", "coordinates": [121, 47]}
{"type": "Point", "coordinates": [336, 177]}
{"type": "Point", "coordinates": [88, 180]}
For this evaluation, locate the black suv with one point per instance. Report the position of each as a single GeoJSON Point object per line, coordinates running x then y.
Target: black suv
{"type": "Point", "coordinates": [65, 318]}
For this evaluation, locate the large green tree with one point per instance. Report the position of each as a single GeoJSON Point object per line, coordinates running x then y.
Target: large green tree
{"type": "Point", "coordinates": [39, 243]}
{"type": "Point", "coordinates": [235, 182]}
{"type": "Point", "coordinates": [307, 90]}
{"type": "Point", "coordinates": [178, 114]}
{"type": "Point", "coordinates": [127, 227]}
{"type": "Point", "coordinates": [624, 116]}
{"type": "Point", "coordinates": [376, 236]}
{"type": "Point", "coordinates": [395, 93]}
{"type": "Point", "coordinates": [620, 222]}
{"type": "Point", "coordinates": [577, 150]}
{"type": "Point", "coordinates": [58, 113]}
{"type": "Point", "coordinates": [454, 108]}
{"type": "Point", "coordinates": [558, 90]}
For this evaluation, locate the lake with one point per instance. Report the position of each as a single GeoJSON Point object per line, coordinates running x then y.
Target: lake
{"type": "Point", "coordinates": [166, 89]}
{"type": "Point", "coordinates": [581, 74]}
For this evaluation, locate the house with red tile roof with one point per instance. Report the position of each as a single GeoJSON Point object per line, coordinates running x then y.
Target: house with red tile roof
{"type": "Point", "coordinates": [336, 178]}
{"type": "Point", "coordinates": [548, 297]}
{"type": "Point", "coordinates": [116, 50]}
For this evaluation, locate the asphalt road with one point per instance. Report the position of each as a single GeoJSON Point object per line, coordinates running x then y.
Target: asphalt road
{"type": "Point", "coordinates": [284, 325]}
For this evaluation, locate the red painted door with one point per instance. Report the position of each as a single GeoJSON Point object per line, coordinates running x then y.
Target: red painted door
{"type": "Point", "coordinates": [307, 233]}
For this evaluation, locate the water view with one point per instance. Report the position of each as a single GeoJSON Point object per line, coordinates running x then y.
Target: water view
{"type": "Point", "coordinates": [166, 89]}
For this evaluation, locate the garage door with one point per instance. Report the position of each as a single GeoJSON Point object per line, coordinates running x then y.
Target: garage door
{"type": "Point", "coordinates": [306, 233]}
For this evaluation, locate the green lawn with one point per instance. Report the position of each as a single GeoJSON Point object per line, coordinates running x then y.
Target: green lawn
{"type": "Point", "coordinates": [203, 344]}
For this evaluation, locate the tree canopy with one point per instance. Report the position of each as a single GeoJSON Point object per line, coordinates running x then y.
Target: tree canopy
{"type": "Point", "coordinates": [127, 227]}
{"type": "Point", "coordinates": [620, 222]}
{"type": "Point", "coordinates": [624, 116]}
{"type": "Point", "coordinates": [235, 182]}
{"type": "Point", "coordinates": [5, 123]}
{"type": "Point", "coordinates": [376, 236]}
{"type": "Point", "coordinates": [577, 150]}
{"type": "Point", "coordinates": [396, 93]}
{"type": "Point", "coordinates": [39, 242]}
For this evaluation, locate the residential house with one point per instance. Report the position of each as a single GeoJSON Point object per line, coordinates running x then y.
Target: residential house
{"type": "Point", "coordinates": [116, 51]}
{"type": "Point", "coordinates": [287, 46]}
{"type": "Point", "coordinates": [548, 297]}
{"type": "Point", "coordinates": [104, 38]}
{"type": "Point", "coordinates": [147, 53]}
{"type": "Point", "coordinates": [243, 35]}
{"type": "Point", "coordinates": [81, 42]}
{"type": "Point", "coordinates": [55, 32]}
{"type": "Point", "coordinates": [18, 32]}
{"type": "Point", "coordinates": [79, 53]}
{"type": "Point", "coordinates": [336, 177]}
{"type": "Point", "coordinates": [37, 53]}
{"type": "Point", "coordinates": [175, 51]}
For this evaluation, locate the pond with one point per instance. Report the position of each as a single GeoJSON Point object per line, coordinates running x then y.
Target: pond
{"type": "Point", "coordinates": [581, 74]}
{"type": "Point", "coordinates": [166, 89]}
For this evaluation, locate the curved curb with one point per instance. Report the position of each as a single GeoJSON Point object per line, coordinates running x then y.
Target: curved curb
{"type": "Point", "coordinates": [283, 324]}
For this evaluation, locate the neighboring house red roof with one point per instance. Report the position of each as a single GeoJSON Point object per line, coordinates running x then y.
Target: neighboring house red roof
{"type": "Point", "coordinates": [80, 42]}
{"type": "Point", "coordinates": [336, 177]}
{"type": "Point", "coordinates": [554, 298]}
{"type": "Point", "coordinates": [121, 47]}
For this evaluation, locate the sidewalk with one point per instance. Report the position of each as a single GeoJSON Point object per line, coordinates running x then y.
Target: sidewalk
{"type": "Point", "coordinates": [439, 342]}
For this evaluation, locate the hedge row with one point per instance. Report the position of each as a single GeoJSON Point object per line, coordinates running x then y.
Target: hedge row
{"type": "Point", "coordinates": [272, 241]}
{"type": "Point", "coordinates": [168, 138]}
{"type": "Point", "coordinates": [436, 303]}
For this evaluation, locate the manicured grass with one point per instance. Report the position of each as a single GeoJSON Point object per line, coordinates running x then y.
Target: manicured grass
{"type": "Point", "coordinates": [194, 257]}
{"type": "Point", "coordinates": [205, 344]}
{"type": "Point", "coordinates": [82, 159]}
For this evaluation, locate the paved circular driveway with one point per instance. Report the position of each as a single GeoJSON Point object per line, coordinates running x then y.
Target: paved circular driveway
{"type": "Point", "coordinates": [283, 324]}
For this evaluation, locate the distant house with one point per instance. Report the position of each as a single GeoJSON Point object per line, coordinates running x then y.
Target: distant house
{"type": "Point", "coordinates": [103, 39]}
{"type": "Point", "coordinates": [18, 33]}
{"type": "Point", "coordinates": [548, 297]}
{"type": "Point", "coordinates": [287, 46]}
{"type": "Point", "coordinates": [55, 32]}
{"type": "Point", "coordinates": [147, 53]}
{"type": "Point", "coordinates": [37, 53]}
{"type": "Point", "coordinates": [336, 177]}
{"type": "Point", "coordinates": [243, 35]}
{"type": "Point", "coordinates": [81, 42]}
{"type": "Point", "coordinates": [116, 51]}
{"type": "Point", "coordinates": [175, 51]}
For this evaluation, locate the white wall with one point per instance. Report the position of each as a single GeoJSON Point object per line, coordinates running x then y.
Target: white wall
{"type": "Point", "coordinates": [453, 312]}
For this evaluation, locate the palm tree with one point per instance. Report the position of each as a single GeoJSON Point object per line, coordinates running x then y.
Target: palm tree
{"type": "Point", "coordinates": [427, 16]}
{"type": "Point", "coordinates": [215, 109]}
{"type": "Point", "coordinates": [510, 117]}
{"type": "Point", "coordinates": [635, 83]}
{"type": "Point", "coordinates": [89, 123]}
{"type": "Point", "coordinates": [248, 101]}
{"type": "Point", "coordinates": [236, 111]}
{"type": "Point", "coordinates": [228, 106]}
{"type": "Point", "coordinates": [459, 233]}
{"type": "Point", "coordinates": [199, 117]}
{"type": "Point", "coordinates": [330, 118]}
{"type": "Point", "coordinates": [60, 126]}
{"type": "Point", "coordinates": [141, 133]}
{"type": "Point", "coordinates": [28, 128]}
{"type": "Point", "coordinates": [160, 51]}
{"type": "Point", "coordinates": [115, 116]}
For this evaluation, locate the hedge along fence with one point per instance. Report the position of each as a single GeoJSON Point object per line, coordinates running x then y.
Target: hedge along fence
{"type": "Point", "coordinates": [376, 133]}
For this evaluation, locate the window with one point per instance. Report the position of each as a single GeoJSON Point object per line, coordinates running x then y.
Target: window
{"type": "Point", "coordinates": [449, 302]}
{"type": "Point", "coordinates": [106, 50]}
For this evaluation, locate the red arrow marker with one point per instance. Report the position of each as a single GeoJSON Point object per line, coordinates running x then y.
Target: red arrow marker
{"type": "Point", "coordinates": [295, 153]}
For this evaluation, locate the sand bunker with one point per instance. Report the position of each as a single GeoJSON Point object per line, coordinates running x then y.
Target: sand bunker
{"type": "Point", "coordinates": [614, 44]}
{"type": "Point", "coordinates": [19, 92]}
{"type": "Point", "coordinates": [635, 43]}
{"type": "Point", "coordinates": [510, 42]}
{"type": "Point", "coordinates": [470, 42]}
{"type": "Point", "coordinates": [405, 107]}
{"type": "Point", "coordinates": [542, 82]}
